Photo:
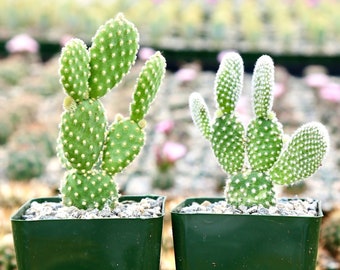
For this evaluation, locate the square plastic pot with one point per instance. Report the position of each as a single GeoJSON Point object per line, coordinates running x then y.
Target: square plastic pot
{"type": "Point", "coordinates": [74, 244]}
{"type": "Point", "coordinates": [235, 242]}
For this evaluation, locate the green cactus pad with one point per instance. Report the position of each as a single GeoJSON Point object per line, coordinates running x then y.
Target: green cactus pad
{"type": "Point", "coordinates": [264, 143]}
{"type": "Point", "coordinates": [303, 155]}
{"type": "Point", "coordinates": [82, 134]}
{"type": "Point", "coordinates": [89, 190]}
{"type": "Point", "coordinates": [147, 86]}
{"type": "Point", "coordinates": [60, 154]}
{"type": "Point", "coordinates": [263, 86]}
{"type": "Point", "coordinates": [124, 141]}
{"type": "Point", "coordinates": [200, 114]}
{"type": "Point", "coordinates": [250, 188]}
{"type": "Point", "coordinates": [112, 54]}
{"type": "Point", "coordinates": [228, 82]}
{"type": "Point", "coordinates": [227, 143]}
{"type": "Point", "coordinates": [75, 69]}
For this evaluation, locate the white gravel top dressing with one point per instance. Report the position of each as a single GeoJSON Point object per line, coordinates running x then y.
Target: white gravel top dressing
{"type": "Point", "coordinates": [284, 207]}
{"type": "Point", "coordinates": [146, 208]}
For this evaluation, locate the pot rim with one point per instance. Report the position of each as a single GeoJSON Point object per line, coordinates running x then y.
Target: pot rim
{"type": "Point", "coordinates": [187, 201]}
{"type": "Point", "coordinates": [17, 216]}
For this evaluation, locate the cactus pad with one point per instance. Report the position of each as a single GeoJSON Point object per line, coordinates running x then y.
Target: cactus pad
{"type": "Point", "coordinates": [92, 189]}
{"type": "Point", "coordinates": [263, 86]}
{"type": "Point", "coordinates": [60, 154]}
{"type": "Point", "coordinates": [251, 188]}
{"type": "Point", "coordinates": [147, 86]}
{"type": "Point", "coordinates": [112, 54]}
{"type": "Point", "coordinates": [227, 143]}
{"type": "Point", "coordinates": [75, 69]}
{"type": "Point", "coordinates": [303, 155]}
{"type": "Point", "coordinates": [123, 143]}
{"type": "Point", "coordinates": [200, 114]}
{"type": "Point", "coordinates": [228, 82]}
{"type": "Point", "coordinates": [264, 143]}
{"type": "Point", "coordinates": [82, 134]}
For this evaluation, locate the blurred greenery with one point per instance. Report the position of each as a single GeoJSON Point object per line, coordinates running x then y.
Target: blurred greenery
{"type": "Point", "coordinates": [223, 23]}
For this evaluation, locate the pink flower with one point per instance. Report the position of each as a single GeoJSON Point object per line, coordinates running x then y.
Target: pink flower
{"type": "Point", "coordinates": [145, 53]}
{"type": "Point", "coordinates": [165, 126]}
{"type": "Point", "coordinates": [279, 89]}
{"type": "Point", "coordinates": [212, 2]}
{"type": "Point", "coordinates": [64, 39]}
{"type": "Point", "coordinates": [316, 80]}
{"type": "Point", "coordinates": [221, 55]}
{"type": "Point", "coordinates": [242, 105]}
{"type": "Point", "coordinates": [22, 43]}
{"type": "Point", "coordinates": [242, 108]}
{"type": "Point", "coordinates": [186, 74]}
{"type": "Point", "coordinates": [172, 151]}
{"type": "Point", "coordinates": [330, 92]}
{"type": "Point", "coordinates": [313, 3]}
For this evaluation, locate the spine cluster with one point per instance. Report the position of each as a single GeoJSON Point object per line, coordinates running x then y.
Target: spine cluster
{"type": "Point", "coordinates": [255, 157]}
{"type": "Point", "coordinates": [91, 149]}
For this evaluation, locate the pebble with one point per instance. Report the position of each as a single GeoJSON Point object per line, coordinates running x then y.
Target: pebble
{"type": "Point", "coordinates": [146, 208]}
{"type": "Point", "coordinates": [284, 207]}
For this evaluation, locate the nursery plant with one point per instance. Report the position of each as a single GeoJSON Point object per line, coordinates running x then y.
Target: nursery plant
{"type": "Point", "coordinates": [255, 158]}
{"type": "Point", "coordinates": [93, 151]}
{"type": "Point", "coordinates": [25, 164]}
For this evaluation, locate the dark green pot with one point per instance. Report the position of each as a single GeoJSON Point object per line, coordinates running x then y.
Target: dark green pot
{"type": "Point", "coordinates": [117, 243]}
{"type": "Point", "coordinates": [234, 242]}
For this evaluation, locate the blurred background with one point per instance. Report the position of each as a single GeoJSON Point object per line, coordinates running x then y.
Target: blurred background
{"type": "Point", "coordinates": [302, 37]}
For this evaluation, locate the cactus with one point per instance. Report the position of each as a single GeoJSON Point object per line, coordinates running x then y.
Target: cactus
{"type": "Point", "coordinates": [91, 150]}
{"type": "Point", "coordinates": [255, 157]}
{"type": "Point", "coordinates": [25, 164]}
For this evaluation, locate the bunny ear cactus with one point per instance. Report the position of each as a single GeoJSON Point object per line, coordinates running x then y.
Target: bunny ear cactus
{"type": "Point", "coordinates": [255, 158]}
{"type": "Point", "coordinates": [227, 146]}
{"type": "Point", "coordinates": [264, 133]}
{"type": "Point", "coordinates": [91, 149]}
{"type": "Point", "coordinates": [120, 149]}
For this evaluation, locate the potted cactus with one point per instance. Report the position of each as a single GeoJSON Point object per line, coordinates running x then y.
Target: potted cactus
{"type": "Point", "coordinates": [255, 159]}
{"type": "Point", "coordinates": [92, 153]}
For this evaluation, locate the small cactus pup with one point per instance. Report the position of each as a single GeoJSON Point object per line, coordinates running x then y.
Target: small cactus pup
{"type": "Point", "coordinates": [255, 157]}
{"type": "Point", "coordinates": [91, 149]}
